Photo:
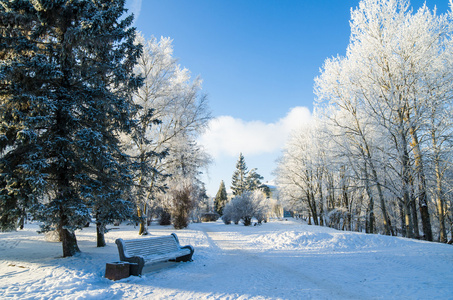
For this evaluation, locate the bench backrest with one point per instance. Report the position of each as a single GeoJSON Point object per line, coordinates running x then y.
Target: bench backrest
{"type": "Point", "coordinates": [150, 246]}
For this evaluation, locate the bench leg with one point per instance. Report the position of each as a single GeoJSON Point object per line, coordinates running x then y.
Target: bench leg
{"type": "Point", "coordinates": [137, 264]}
{"type": "Point", "coordinates": [184, 258]}
{"type": "Point", "coordinates": [135, 269]}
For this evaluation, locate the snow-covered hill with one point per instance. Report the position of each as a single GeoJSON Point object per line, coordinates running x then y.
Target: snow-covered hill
{"type": "Point", "coordinates": [278, 260]}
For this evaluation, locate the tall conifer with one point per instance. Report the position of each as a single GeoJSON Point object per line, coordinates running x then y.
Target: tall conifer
{"type": "Point", "coordinates": [221, 199]}
{"type": "Point", "coordinates": [244, 180]}
{"type": "Point", "coordinates": [65, 80]}
{"type": "Point", "coordinates": [239, 182]}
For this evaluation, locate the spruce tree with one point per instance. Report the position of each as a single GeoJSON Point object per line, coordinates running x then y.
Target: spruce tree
{"type": "Point", "coordinates": [239, 182]}
{"type": "Point", "coordinates": [244, 180]}
{"type": "Point", "coordinates": [65, 80]}
{"type": "Point", "coordinates": [221, 199]}
{"type": "Point", "coordinates": [253, 180]}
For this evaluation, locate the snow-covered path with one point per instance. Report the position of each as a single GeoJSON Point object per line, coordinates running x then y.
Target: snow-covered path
{"type": "Point", "coordinates": [268, 273]}
{"type": "Point", "coordinates": [278, 260]}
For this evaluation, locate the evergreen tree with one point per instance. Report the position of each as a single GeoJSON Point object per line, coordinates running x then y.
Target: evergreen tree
{"type": "Point", "coordinates": [266, 190]}
{"type": "Point", "coordinates": [244, 180]}
{"type": "Point", "coordinates": [253, 180]}
{"type": "Point", "coordinates": [239, 182]}
{"type": "Point", "coordinates": [221, 199]}
{"type": "Point", "coordinates": [65, 81]}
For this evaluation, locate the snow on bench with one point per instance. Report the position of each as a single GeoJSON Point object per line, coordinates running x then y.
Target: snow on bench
{"type": "Point", "coordinates": [153, 250]}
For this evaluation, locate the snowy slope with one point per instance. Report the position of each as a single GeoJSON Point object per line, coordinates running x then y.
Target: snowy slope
{"type": "Point", "coordinates": [278, 260]}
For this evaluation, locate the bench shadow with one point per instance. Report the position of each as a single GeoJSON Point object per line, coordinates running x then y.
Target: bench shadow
{"type": "Point", "coordinates": [158, 267]}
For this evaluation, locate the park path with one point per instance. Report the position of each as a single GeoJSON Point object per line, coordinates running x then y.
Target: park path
{"type": "Point", "coordinates": [268, 272]}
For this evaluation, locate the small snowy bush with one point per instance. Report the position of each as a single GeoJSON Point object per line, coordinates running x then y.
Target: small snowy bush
{"type": "Point", "coordinates": [245, 207]}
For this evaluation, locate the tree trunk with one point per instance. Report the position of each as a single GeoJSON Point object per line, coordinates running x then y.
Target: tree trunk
{"type": "Point", "coordinates": [374, 177]}
{"type": "Point", "coordinates": [405, 180]}
{"type": "Point", "coordinates": [313, 208]}
{"type": "Point", "coordinates": [440, 203]}
{"type": "Point", "coordinates": [100, 235]}
{"type": "Point", "coordinates": [422, 198]}
{"type": "Point", "coordinates": [414, 218]}
{"type": "Point", "coordinates": [67, 237]}
{"type": "Point", "coordinates": [370, 216]}
{"type": "Point", "coordinates": [403, 222]}
{"type": "Point", "coordinates": [321, 204]}
{"type": "Point", "coordinates": [141, 214]}
{"type": "Point", "coordinates": [69, 242]}
{"type": "Point", "coordinates": [409, 228]}
{"type": "Point", "coordinates": [387, 223]}
{"type": "Point", "coordinates": [413, 209]}
{"type": "Point", "coordinates": [370, 219]}
{"type": "Point", "coordinates": [22, 220]}
{"type": "Point", "coordinates": [440, 212]}
{"type": "Point", "coordinates": [347, 217]}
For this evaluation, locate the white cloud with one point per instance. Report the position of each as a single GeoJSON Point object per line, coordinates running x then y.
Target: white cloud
{"type": "Point", "coordinates": [228, 136]}
{"type": "Point", "coordinates": [135, 7]}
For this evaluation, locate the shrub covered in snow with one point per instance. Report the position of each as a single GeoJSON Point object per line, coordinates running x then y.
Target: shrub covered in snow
{"type": "Point", "coordinates": [226, 218]}
{"type": "Point", "coordinates": [246, 206]}
{"type": "Point", "coordinates": [183, 203]}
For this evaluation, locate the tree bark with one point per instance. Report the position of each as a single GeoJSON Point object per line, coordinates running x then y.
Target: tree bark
{"type": "Point", "coordinates": [100, 235]}
{"type": "Point", "coordinates": [142, 215]}
{"type": "Point", "coordinates": [22, 219]}
{"type": "Point", "coordinates": [422, 198]}
{"type": "Point", "coordinates": [414, 216]}
{"type": "Point", "coordinates": [321, 204]}
{"type": "Point", "coordinates": [69, 242]}
{"type": "Point", "coordinates": [403, 222]}
{"type": "Point", "coordinates": [413, 208]}
{"type": "Point", "coordinates": [405, 180]}
{"type": "Point", "coordinates": [440, 202]}
{"type": "Point", "coordinates": [370, 219]}
{"type": "Point", "coordinates": [314, 212]}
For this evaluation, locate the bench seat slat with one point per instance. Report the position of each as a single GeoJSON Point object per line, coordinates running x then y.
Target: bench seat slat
{"type": "Point", "coordinates": [166, 256]}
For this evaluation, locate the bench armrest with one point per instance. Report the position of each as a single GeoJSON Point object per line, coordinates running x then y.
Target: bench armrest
{"type": "Point", "coordinates": [140, 261]}
{"type": "Point", "coordinates": [187, 257]}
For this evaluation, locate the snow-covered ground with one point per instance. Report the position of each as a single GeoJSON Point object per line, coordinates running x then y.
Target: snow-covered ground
{"type": "Point", "coordinates": [278, 260]}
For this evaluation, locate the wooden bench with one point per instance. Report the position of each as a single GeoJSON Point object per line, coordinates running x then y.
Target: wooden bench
{"type": "Point", "coordinates": [152, 250]}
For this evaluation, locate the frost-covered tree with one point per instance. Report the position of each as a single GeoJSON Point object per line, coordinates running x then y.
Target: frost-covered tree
{"type": "Point", "coordinates": [172, 112]}
{"type": "Point", "coordinates": [66, 76]}
{"type": "Point", "coordinates": [239, 208]}
{"type": "Point", "coordinates": [263, 206]}
{"type": "Point", "coordinates": [441, 142]}
{"type": "Point", "coordinates": [221, 199]}
{"type": "Point", "coordinates": [184, 164]}
{"type": "Point", "coordinates": [300, 172]}
{"type": "Point", "coordinates": [395, 61]}
{"type": "Point", "coordinates": [253, 180]}
{"type": "Point", "coordinates": [377, 155]}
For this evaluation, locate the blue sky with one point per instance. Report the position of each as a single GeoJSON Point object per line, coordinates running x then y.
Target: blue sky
{"type": "Point", "coordinates": [258, 60]}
